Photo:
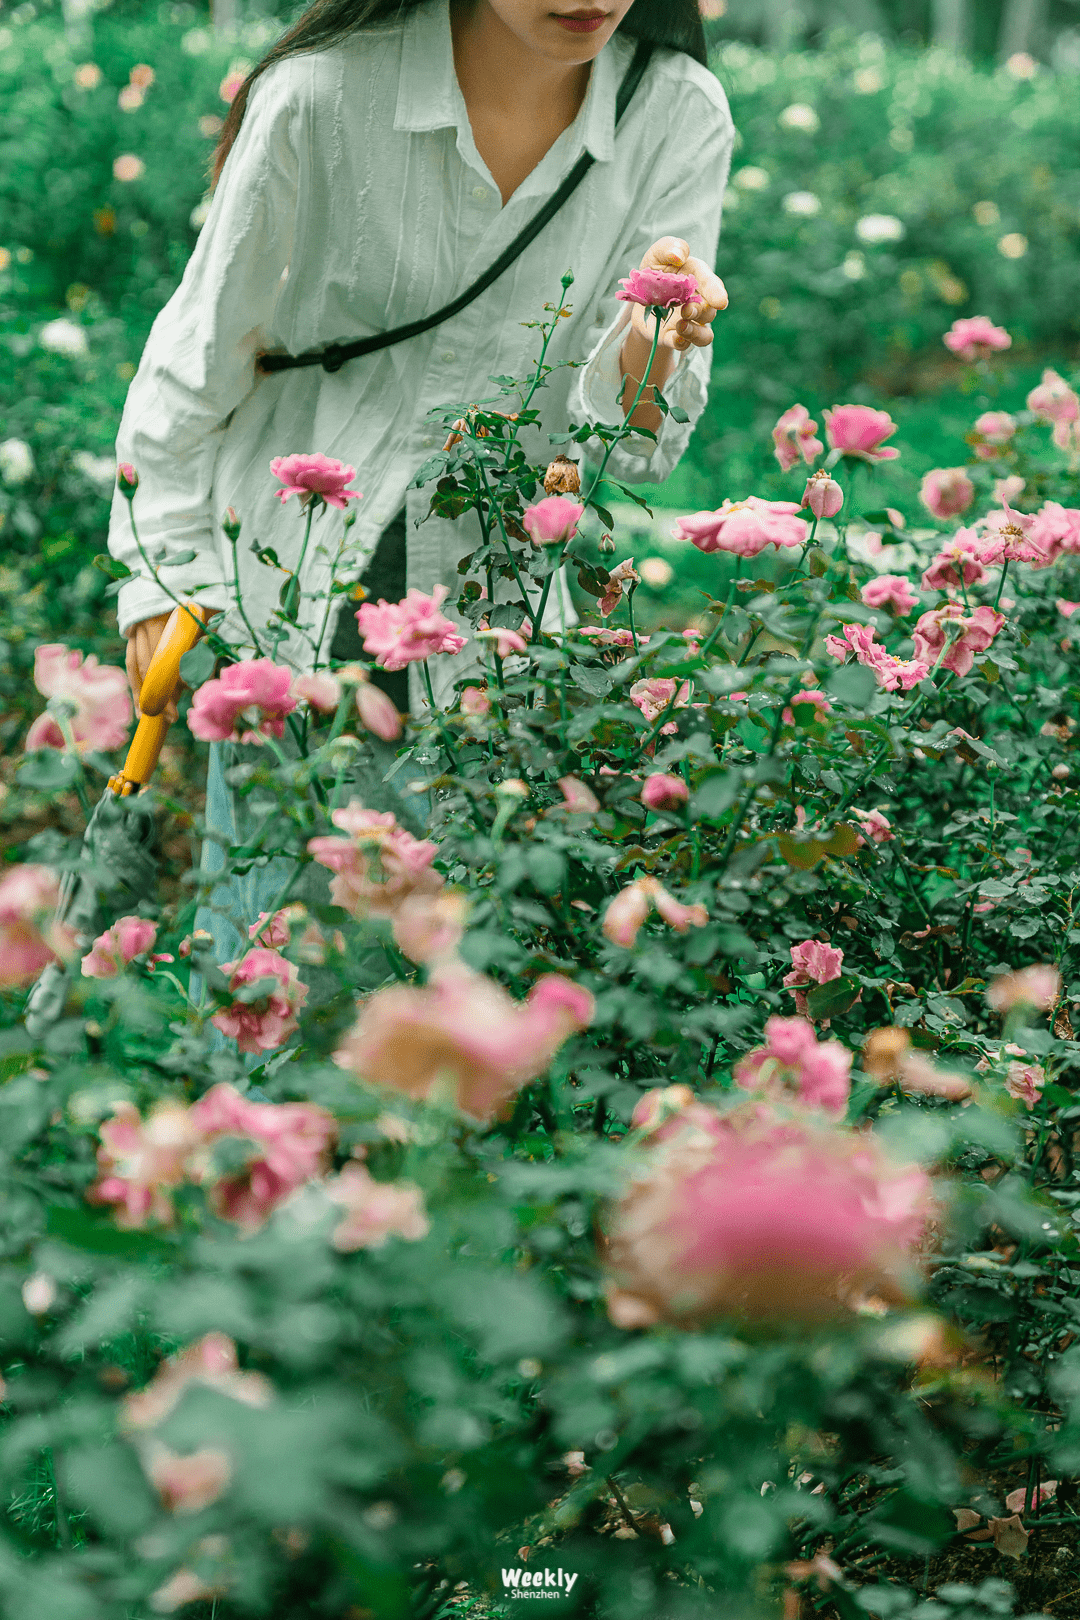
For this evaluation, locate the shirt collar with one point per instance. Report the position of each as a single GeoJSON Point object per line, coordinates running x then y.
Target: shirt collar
{"type": "Point", "coordinates": [429, 96]}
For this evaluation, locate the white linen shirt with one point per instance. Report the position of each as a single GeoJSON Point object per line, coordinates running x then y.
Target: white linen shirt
{"type": "Point", "coordinates": [354, 200]}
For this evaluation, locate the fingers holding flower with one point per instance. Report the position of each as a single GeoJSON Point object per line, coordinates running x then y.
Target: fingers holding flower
{"type": "Point", "coordinates": [670, 276]}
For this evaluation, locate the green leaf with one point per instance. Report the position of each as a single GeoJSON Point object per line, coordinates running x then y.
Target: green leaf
{"type": "Point", "coordinates": [197, 664]}
{"type": "Point", "coordinates": [180, 558]}
{"type": "Point", "coordinates": [112, 566]}
{"type": "Point", "coordinates": [852, 683]}
{"type": "Point", "coordinates": [827, 1000]}
{"type": "Point", "coordinates": [48, 770]}
{"type": "Point", "coordinates": [715, 793]}
{"type": "Point", "coordinates": [83, 1231]}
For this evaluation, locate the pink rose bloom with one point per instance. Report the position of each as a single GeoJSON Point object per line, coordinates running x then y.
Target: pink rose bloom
{"type": "Point", "coordinates": [677, 915]}
{"type": "Point", "coordinates": [822, 495]}
{"type": "Point", "coordinates": [142, 1162]}
{"type": "Point", "coordinates": [658, 289]}
{"type": "Point", "coordinates": [623, 573]}
{"type": "Point", "coordinates": [111, 952]}
{"type": "Point", "coordinates": [794, 1060]}
{"type": "Point", "coordinates": [762, 1218]}
{"type": "Point", "coordinates": [400, 633]}
{"type": "Point", "coordinates": [962, 557]}
{"type": "Point", "coordinates": [946, 492]}
{"type": "Point", "coordinates": [1065, 607]}
{"type": "Point", "coordinates": [262, 1025]}
{"type": "Point", "coordinates": [186, 1483]}
{"type": "Point", "coordinates": [1055, 531]}
{"type": "Point", "coordinates": [976, 338]}
{"type": "Point", "coordinates": [322, 691]}
{"type": "Point", "coordinates": [1025, 1082]}
{"type": "Point", "coordinates": [744, 528]}
{"type": "Point", "coordinates": [461, 1038]}
{"type": "Point", "coordinates": [822, 706]}
{"type": "Point", "coordinates": [876, 827]}
{"type": "Point", "coordinates": [377, 864]}
{"type": "Point", "coordinates": [507, 642]}
{"type": "Point", "coordinates": [890, 590]}
{"type": "Point", "coordinates": [660, 792]}
{"type": "Point", "coordinates": [814, 961]}
{"type": "Point", "coordinates": [30, 936]}
{"type": "Point", "coordinates": [290, 1141]}
{"type": "Point", "coordinates": [475, 702]}
{"type": "Point", "coordinates": [99, 694]}
{"type": "Point", "coordinates": [1038, 986]}
{"type": "Point", "coordinates": [577, 798]}
{"type": "Point", "coordinates": [210, 1363]}
{"type": "Point", "coordinates": [428, 928]}
{"type": "Point", "coordinates": [631, 906]}
{"type": "Point", "coordinates": [860, 431]}
{"type": "Point", "coordinates": [272, 929]}
{"type": "Point", "coordinates": [256, 691]}
{"type": "Point", "coordinates": [315, 475]}
{"type": "Point", "coordinates": [992, 434]}
{"type": "Point", "coordinates": [1053, 400]}
{"type": "Point", "coordinates": [552, 521]}
{"type": "Point", "coordinates": [976, 635]}
{"type": "Point", "coordinates": [1007, 490]}
{"type": "Point", "coordinates": [1006, 537]}
{"type": "Point", "coordinates": [795, 435]}
{"type": "Point", "coordinates": [374, 1210]}
{"type": "Point", "coordinates": [606, 636]}
{"type": "Point", "coordinates": [893, 674]}
{"type": "Point", "coordinates": [653, 696]}
{"type": "Point", "coordinates": [377, 711]}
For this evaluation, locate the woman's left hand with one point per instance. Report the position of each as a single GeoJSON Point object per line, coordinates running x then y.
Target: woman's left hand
{"type": "Point", "coordinates": [691, 324]}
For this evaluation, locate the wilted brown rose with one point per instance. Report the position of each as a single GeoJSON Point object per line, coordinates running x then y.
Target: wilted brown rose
{"type": "Point", "coordinates": [562, 477]}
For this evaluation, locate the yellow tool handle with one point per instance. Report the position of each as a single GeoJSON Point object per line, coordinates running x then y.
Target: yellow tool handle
{"type": "Point", "coordinates": [183, 629]}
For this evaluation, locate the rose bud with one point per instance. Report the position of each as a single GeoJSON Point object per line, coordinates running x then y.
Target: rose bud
{"type": "Point", "coordinates": [661, 792]}
{"type": "Point", "coordinates": [823, 495]}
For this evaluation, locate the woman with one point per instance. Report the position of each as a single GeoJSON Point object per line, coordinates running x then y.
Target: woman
{"type": "Point", "coordinates": [373, 164]}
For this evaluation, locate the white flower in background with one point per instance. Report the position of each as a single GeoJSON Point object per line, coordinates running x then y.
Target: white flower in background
{"type": "Point", "coordinates": [657, 572]}
{"type": "Point", "coordinates": [130, 98]}
{"type": "Point", "coordinates": [1021, 66]}
{"type": "Point", "coordinates": [751, 178]}
{"type": "Point", "coordinates": [800, 116]}
{"type": "Point", "coordinates": [196, 42]}
{"type": "Point", "coordinates": [199, 214]}
{"type": "Point", "coordinates": [987, 213]}
{"type": "Point", "coordinates": [88, 76]}
{"type": "Point", "coordinates": [805, 204]}
{"type": "Point", "coordinates": [880, 228]}
{"type": "Point", "coordinates": [1013, 246]}
{"type": "Point", "coordinates": [16, 461]}
{"type": "Point", "coordinates": [868, 81]}
{"type": "Point", "coordinates": [128, 167]}
{"type": "Point", "coordinates": [854, 265]}
{"type": "Point", "coordinates": [64, 337]}
{"type": "Point", "coordinates": [98, 469]}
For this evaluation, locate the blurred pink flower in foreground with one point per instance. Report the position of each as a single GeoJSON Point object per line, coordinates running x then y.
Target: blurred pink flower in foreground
{"type": "Point", "coordinates": [762, 1217]}
{"type": "Point", "coordinates": [860, 431]}
{"type": "Point", "coordinates": [376, 864]}
{"type": "Point", "coordinates": [271, 928]}
{"type": "Point", "coordinates": [405, 632]}
{"type": "Point", "coordinates": [795, 435]}
{"type": "Point", "coordinates": [141, 1162]}
{"type": "Point", "coordinates": [261, 1025]}
{"type": "Point", "coordinates": [430, 927]}
{"type": "Point", "coordinates": [962, 557]}
{"type": "Point", "coordinates": [946, 492]}
{"type": "Point", "coordinates": [653, 696]}
{"type": "Point", "coordinates": [374, 1210]}
{"type": "Point", "coordinates": [970, 635]}
{"type": "Point", "coordinates": [475, 702]}
{"type": "Point", "coordinates": [744, 528]}
{"type": "Point", "coordinates": [1054, 401]}
{"type": "Point", "coordinates": [98, 694]}
{"type": "Point", "coordinates": [876, 827]}
{"type": "Point", "coordinates": [30, 937]}
{"type": "Point", "coordinates": [1038, 986]}
{"type": "Point", "coordinates": [1025, 1082]}
{"type": "Point", "coordinates": [377, 711]}
{"type": "Point", "coordinates": [794, 1060]}
{"type": "Point", "coordinates": [552, 521]}
{"type": "Point", "coordinates": [186, 1483]}
{"type": "Point", "coordinates": [976, 338]}
{"type": "Point", "coordinates": [890, 590]}
{"type": "Point", "coordinates": [625, 914]}
{"type": "Point", "coordinates": [893, 673]}
{"type": "Point", "coordinates": [111, 952]}
{"type": "Point", "coordinates": [462, 1038]}
{"type": "Point", "coordinates": [289, 1146]}
{"type": "Point", "coordinates": [210, 1363]}
{"type": "Point", "coordinates": [315, 475]}
{"type": "Point", "coordinates": [823, 495]}
{"type": "Point", "coordinates": [1065, 607]}
{"type": "Point", "coordinates": [992, 433]}
{"type": "Point", "coordinates": [256, 692]}
{"type": "Point", "coordinates": [506, 642]}
{"type": "Point", "coordinates": [321, 690]}
{"type": "Point", "coordinates": [660, 288]}
{"type": "Point", "coordinates": [578, 799]}
{"type": "Point", "coordinates": [660, 792]}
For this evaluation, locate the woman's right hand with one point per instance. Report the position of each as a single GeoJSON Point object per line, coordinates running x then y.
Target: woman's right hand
{"type": "Point", "coordinates": [142, 640]}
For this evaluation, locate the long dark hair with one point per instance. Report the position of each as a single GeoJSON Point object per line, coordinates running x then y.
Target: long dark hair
{"type": "Point", "coordinates": [674, 23]}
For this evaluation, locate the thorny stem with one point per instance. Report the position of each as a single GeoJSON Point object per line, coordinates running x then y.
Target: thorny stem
{"type": "Point", "coordinates": [625, 431]}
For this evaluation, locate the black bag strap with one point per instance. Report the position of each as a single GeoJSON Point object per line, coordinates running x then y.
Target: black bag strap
{"type": "Point", "coordinates": [334, 356]}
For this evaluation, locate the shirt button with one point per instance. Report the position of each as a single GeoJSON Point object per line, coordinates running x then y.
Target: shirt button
{"type": "Point", "coordinates": [480, 193]}
{"type": "Point", "coordinates": [448, 355]}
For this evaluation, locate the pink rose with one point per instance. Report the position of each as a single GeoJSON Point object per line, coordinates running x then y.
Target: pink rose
{"type": "Point", "coordinates": [30, 936]}
{"type": "Point", "coordinates": [946, 492]}
{"type": "Point", "coordinates": [228, 90]}
{"type": "Point", "coordinates": [475, 702]}
{"type": "Point", "coordinates": [376, 864]}
{"type": "Point", "coordinates": [186, 1483]}
{"type": "Point", "coordinates": [315, 476]}
{"type": "Point", "coordinates": [322, 691]}
{"type": "Point", "coordinates": [506, 642]}
{"type": "Point", "coordinates": [1053, 400]}
{"type": "Point", "coordinates": [1007, 490]}
{"type": "Point", "coordinates": [744, 528]}
{"type": "Point", "coordinates": [1025, 1082]}
{"type": "Point", "coordinates": [976, 338]}
{"type": "Point", "coordinates": [992, 433]}
{"type": "Point", "coordinates": [577, 798]}
{"type": "Point", "coordinates": [127, 478]}
{"type": "Point", "coordinates": [210, 1363]}
{"type": "Point", "coordinates": [818, 1072]}
{"type": "Point", "coordinates": [660, 792]}
{"type": "Point", "coordinates": [1006, 537]}
{"type": "Point", "coordinates": [631, 906]}
{"type": "Point", "coordinates": [257, 691]}
{"type": "Point", "coordinates": [1038, 986]}
{"type": "Point", "coordinates": [890, 590]}
{"type": "Point", "coordinates": [463, 1037]}
{"type": "Point", "coordinates": [794, 436]}
{"type": "Point", "coordinates": [272, 929]}
{"type": "Point", "coordinates": [975, 634]}
{"type": "Point", "coordinates": [377, 711]}
{"type": "Point", "coordinates": [608, 636]}
{"type": "Point", "coordinates": [876, 827]}
{"type": "Point", "coordinates": [964, 556]}
{"type": "Point", "coordinates": [111, 952]}
{"type": "Point", "coordinates": [893, 674]}
{"type": "Point", "coordinates": [653, 696]}
{"type": "Point", "coordinates": [623, 574]}
{"type": "Point", "coordinates": [1055, 531]}
{"type": "Point", "coordinates": [658, 289]}
{"type": "Point", "coordinates": [429, 927]}
{"type": "Point", "coordinates": [552, 521]}
{"type": "Point", "coordinates": [375, 1210]}
{"type": "Point", "coordinates": [142, 1162]}
{"type": "Point", "coordinates": [262, 1025]}
{"type": "Point", "coordinates": [406, 632]}
{"type": "Point", "coordinates": [822, 706]}
{"type": "Point", "coordinates": [823, 495]}
{"type": "Point", "coordinates": [814, 961]}
{"type": "Point", "coordinates": [98, 693]}
{"type": "Point", "coordinates": [290, 1141]}
{"type": "Point", "coordinates": [1065, 607]}
{"type": "Point", "coordinates": [860, 431]}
